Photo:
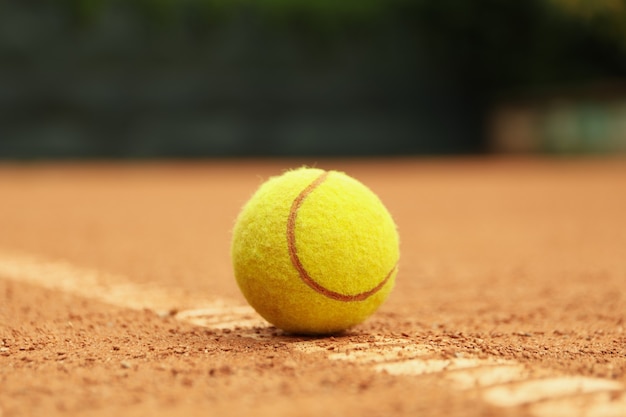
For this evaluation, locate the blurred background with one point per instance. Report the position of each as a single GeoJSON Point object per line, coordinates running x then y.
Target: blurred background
{"type": "Point", "coordinates": [202, 78]}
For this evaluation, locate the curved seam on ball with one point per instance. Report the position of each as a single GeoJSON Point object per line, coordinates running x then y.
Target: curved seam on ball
{"type": "Point", "coordinates": [295, 260]}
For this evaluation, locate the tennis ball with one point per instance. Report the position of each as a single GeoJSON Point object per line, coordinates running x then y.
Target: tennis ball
{"type": "Point", "coordinates": [315, 252]}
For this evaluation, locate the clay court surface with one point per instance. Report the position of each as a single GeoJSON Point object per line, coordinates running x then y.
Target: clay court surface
{"type": "Point", "coordinates": [117, 295]}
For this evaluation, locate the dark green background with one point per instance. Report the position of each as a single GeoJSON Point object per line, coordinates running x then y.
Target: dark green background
{"type": "Point", "coordinates": [196, 78]}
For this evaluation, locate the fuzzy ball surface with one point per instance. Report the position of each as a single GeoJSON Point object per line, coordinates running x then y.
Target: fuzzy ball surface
{"type": "Point", "coordinates": [314, 251]}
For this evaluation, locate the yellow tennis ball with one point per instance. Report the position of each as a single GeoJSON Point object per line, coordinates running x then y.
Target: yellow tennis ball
{"type": "Point", "coordinates": [315, 252]}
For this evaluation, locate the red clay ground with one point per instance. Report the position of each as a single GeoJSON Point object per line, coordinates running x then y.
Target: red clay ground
{"type": "Point", "coordinates": [510, 298]}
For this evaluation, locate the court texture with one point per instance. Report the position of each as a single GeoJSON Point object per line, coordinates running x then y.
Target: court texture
{"type": "Point", "coordinates": [117, 295]}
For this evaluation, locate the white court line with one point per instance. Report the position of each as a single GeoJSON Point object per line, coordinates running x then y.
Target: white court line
{"type": "Point", "coordinates": [93, 284]}
{"type": "Point", "coordinates": [429, 366]}
{"type": "Point", "coordinates": [602, 404]}
{"type": "Point", "coordinates": [485, 376]}
{"type": "Point", "coordinates": [526, 392]}
{"type": "Point", "coordinates": [223, 317]}
{"type": "Point", "coordinates": [500, 383]}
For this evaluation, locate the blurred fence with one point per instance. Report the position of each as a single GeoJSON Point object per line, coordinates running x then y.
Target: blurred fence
{"type": "Point", "coordinates": [196, 78]}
